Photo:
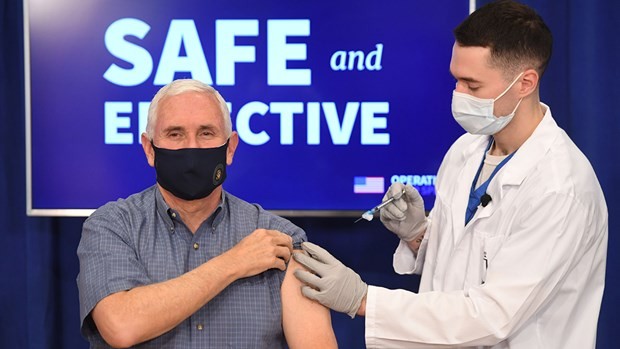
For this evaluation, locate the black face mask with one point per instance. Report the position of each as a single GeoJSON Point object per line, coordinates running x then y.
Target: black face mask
{"type": "Point", "coordinates": [190, 173]}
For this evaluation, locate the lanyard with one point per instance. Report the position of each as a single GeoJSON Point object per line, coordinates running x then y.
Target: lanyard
{"type": "Point", "coordinates": [475, 195]}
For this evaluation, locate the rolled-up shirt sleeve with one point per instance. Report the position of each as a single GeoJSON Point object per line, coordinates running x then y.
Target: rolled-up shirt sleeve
{"type": "Point", "coordinates": [297, 234]}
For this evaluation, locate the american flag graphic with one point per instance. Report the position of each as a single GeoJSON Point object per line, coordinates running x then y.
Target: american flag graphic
{"type": "Point", "coordinates": [368, 185]}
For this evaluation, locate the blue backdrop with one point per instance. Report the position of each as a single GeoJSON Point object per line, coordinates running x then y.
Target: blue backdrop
{"type": "Point", "coordinates": [38, 265]}
{"type": "Point", "coordinates": [372, 111]}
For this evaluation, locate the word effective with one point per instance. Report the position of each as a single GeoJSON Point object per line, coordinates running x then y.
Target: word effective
{"type": "Point", "coordinates": [118, 121]}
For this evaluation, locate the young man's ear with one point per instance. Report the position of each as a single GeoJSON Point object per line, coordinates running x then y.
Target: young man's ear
{"type": "Point", "coordinates": [529, 82]}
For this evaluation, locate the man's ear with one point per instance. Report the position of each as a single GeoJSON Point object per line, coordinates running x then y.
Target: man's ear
{"type": "Point", "coordinates": [529, 82]}
{"type": "Point", "coordinates": [148, 149]}
{"type": "Point", "coordinates": [233, 142]}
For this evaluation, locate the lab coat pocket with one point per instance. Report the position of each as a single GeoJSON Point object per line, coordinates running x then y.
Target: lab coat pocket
{"type": "Point", "coordinates": [484, 247]}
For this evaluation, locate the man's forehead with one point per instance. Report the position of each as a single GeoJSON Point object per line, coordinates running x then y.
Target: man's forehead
{"type": "Point", "coordinates": [189, 118]}
{"type": "Point", "coordinates": [471, 63]}
{"type": "Point", "coordinates": [190, 97]}
{"type": "Point", "coordinates": [190, 103]}
{"type": "Point", "coordinates": [190, 121]}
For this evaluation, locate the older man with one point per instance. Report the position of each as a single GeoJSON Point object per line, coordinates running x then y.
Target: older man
{"type": "Point", "coordinates": [184, 264]}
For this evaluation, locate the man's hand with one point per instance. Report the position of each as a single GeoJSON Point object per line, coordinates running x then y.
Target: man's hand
{"type": "Point", "coordinates": [260, 251]}
{"type": "Point", "coordinates": [333, 284]}
{"type": "Point", "coordinates": [405, 216]}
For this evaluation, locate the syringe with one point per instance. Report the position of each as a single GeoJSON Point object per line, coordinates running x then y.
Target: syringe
{"type": "Point", "coordinates": [368, 215]}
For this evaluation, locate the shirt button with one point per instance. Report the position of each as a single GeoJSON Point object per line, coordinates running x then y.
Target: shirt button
{"type": "Point", "coordinates": [199, 327]}
{"type": "Point", "coordinates": [174, 215]}
{"type": "Point", "coordinates": [196, 245]}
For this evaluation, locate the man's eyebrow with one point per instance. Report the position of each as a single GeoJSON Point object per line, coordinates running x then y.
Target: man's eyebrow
{"type": "Point", "coordinates": [207, 127]}
{"type": "Point", "coordinates": [466, 79]}
{"type": "Point", "coordinates": [471, 80]}
{"type": "Point", "coordinates": [172, 129]}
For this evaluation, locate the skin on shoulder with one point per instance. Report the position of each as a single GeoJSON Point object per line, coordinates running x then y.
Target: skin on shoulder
{"type": "Point", "coordinates": [306, 323]}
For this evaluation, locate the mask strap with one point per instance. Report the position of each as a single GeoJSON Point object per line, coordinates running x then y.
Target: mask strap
{"type": "Point", "coordinates": [515, 109]}
{"type": "Point", "coordinates": [509, 86]}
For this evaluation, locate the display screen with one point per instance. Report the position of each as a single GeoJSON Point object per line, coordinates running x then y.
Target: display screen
{"type": "Point", "coordinates": [332, 100]}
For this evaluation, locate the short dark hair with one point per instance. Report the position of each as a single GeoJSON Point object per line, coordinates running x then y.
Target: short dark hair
{"type": "Point", "coordinates": [516, 35]}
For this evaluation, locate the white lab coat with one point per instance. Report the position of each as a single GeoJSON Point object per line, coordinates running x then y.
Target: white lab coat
{"type": "Point", "coordinates": [528, 270]}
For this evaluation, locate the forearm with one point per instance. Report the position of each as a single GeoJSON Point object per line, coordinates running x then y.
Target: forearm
{"type": "Point", "coordinates": [142, 313]}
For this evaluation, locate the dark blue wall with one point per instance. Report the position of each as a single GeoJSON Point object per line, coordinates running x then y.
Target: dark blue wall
{"type": "Point", "coordinates": [38, 265]}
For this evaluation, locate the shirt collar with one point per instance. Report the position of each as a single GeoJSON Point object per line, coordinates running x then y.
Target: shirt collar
{"type": "Point", "coordinates": [167, 213]}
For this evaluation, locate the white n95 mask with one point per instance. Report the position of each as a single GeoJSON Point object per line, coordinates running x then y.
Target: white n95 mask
{"type": "Point", "coordinates": [476, 115]}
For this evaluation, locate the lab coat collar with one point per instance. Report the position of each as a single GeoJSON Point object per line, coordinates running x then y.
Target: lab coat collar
{"type": "Point", "coordinates": [516, 170]}
{"type": "Point", "coordinates": [532, 151]}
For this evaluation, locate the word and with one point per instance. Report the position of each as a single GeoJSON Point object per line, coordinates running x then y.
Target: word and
{"type": "Point", "coordinates": [343, 60]}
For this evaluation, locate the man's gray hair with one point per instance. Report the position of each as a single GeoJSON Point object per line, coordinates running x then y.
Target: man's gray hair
{"type": "Point", "coordinates": [178, 87]}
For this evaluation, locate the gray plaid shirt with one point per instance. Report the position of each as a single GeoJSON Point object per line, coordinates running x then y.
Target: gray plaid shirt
{"type": "Point", "coordinates": [140, 240]}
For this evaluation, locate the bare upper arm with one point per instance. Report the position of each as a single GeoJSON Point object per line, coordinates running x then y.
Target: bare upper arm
{"type": "Point", "coordinates": [306, 323]}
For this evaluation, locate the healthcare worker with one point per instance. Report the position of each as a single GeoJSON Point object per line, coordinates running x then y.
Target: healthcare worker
{"type": "Point", "coordinates": [513, 252]}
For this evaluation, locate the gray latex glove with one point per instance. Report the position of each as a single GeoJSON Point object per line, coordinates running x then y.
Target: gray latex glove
{"type": "Point", "coordinates": [405, 216]}
{"type": "Point", "coordinates": [333, 284]}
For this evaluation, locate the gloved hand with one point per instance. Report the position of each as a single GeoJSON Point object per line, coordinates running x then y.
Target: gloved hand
{"type": "Point", "coordinates": [405, 216]}
{"type": "Point", "coordinates": [334, 285]}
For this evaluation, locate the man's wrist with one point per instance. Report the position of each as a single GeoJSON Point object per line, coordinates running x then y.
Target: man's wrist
{"type": "Point", "coordinates": [362, 309]}
{"type": "Point", "coordinates": [416, 242]}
